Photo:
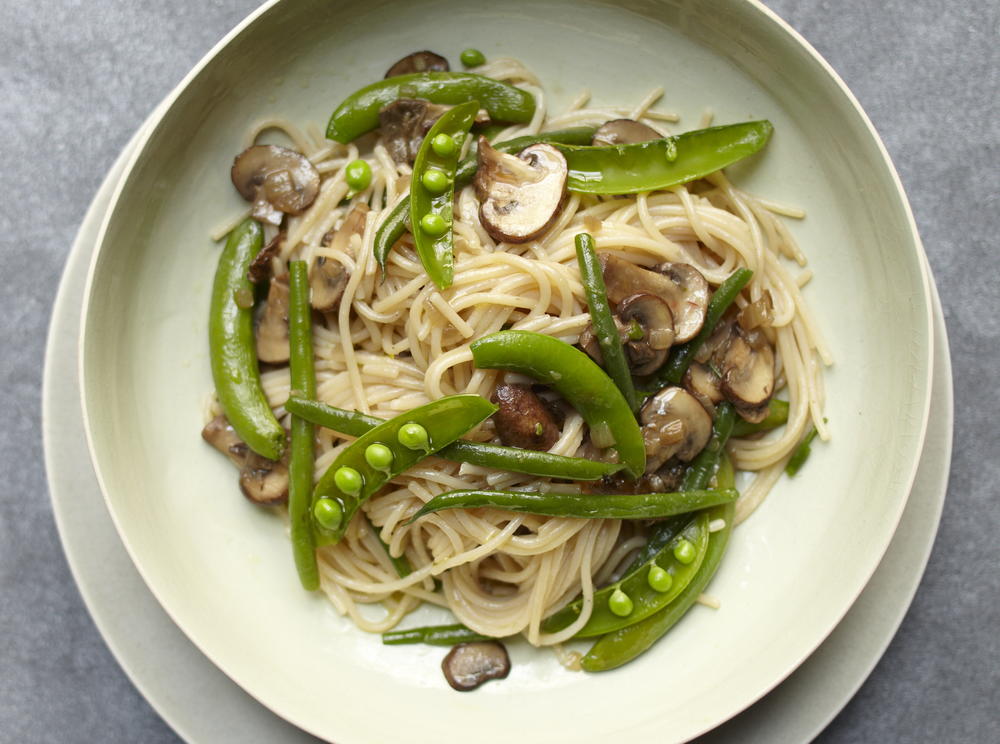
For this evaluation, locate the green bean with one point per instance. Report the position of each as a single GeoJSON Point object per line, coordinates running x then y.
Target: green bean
{"type": "Point", "coordinates": [801, 454]}
{"type": "Point", "coordinates": [682, 356]}
{"type": "Point", "coordinates": [603, 320]}
{"type": "Point", "coordinates": [661, 163]}
{"type": "Point", "coordinates": [359, 112]}
{"type": "Point", "coordinates": [400, 563]}
{"type": "Point", "coordinates": [578, 379]}
{"type": "Point", "coordinates": [622, 645]}
{"type": "Point", "coordinates": [581, 506]}
{"type": "Point", "coordinates": [232, 349]}
{"type": "Point", "coordinates": [434, 635]}
{"type": "Point", "coordinates": [301, 462]}
{"type": "Point", "coordinates": [444, 421]}
{"type": "Point", "coordinates": [699, 473]}
{"type": "Point", "coordinates": [498, 457]}
{"type": "Point", "coordinates": [777, 415]}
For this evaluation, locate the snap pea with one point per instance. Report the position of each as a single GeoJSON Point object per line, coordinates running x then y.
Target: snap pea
{"type": "Point", "coordinates": [430, 211]}
{"type": "Point", "coordinates": [777, 415]}
{"type": "Point", "coordinates": [358, 113]}
{"type": "Point", "coordinates": [622, 645]}
{"type": "Point", "coordinates": [680, 563]}
{"type": "Point", "coordinates": [393, 226]}
{"type": "Point", "coordinates": [444, 421]}
{"type": "Point", "coordinates": [232, 351]}
{"type": "Point", "coordinates": [681, 356]}
{"type": "Point", "coordinates": [498, 457]}
{"type": "Point", "coordinates": [602, 319]}
{"type": "Point", "coordinates": [577, 378]}
{"type": "Point", "coordinates": [801, 453]}
{"type": "Point", "coordinates": [434, 635]}
{"type": "Point", "coordinates": [661, 163]}
{"type": "Point", "coordinates": [302, 458]}
{"type": "Point", "coordinates": [582, 506]}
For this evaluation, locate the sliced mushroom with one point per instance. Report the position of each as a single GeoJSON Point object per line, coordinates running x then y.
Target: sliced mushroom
{"type": "Point", "coordinates": [714, 348]}
{"type": "Point", "coordinates": [520, 196]}
{"type": "Point", "coordinates": [424, 61]}
{"type": "Point", "coordinates": [404, 123]}
{"type": "Point", "coordinates": [523, 419]}
{"type": "Point", "coordinates": [272, 329]}
{"type": "Point", "coordinates": [674, 424]}
{"type": "Point", "coordinates": [327, 276]}
{"type": "Point", "coordinates": [262, 481]}
{"type": "Point", "coordinates": [649, 328]}
{"type": "Point", "coordinates": [701, 381]}
{"type": "Point", "coordinates": [623, 132]}
{"type": "Point", "coordinates": [260, 267]}
{"type": "Point", "coordinates": [469, 665]}
{"type": "Point", "coordinates": [220, 434]}
{"type": "Point", "coordinates": [276, 180]}
{"type": "Point", "coordinates": [588, 340]}
{"type": "Point", "coordinates": [748, 374]}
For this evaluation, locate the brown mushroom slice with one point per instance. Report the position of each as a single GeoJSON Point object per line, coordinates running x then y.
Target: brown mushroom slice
{"type": "Point", "coordinates": [701, 381]}
{"type": "Point", "coordinates": [588, 340]}
{"type": "Point", "coordinates": [649, 331]}
{"type": "Point", "coordinates": [674, 424]}
{"type": "Point", "coordinates": [714, 348]}
{"type": "Point", "coordinates": [264, 481]}
{"type": "Point", "coordinates": [623, 132]}
{"type": "Point", "coordinates": [424, 61]}
{"type": "Point", "coordinates": [272, 329]}
{"type": "Point", "coordinates": [748, 374]}
{"type": "Point", "coordinates": [327, 276]}
{"type": "Point", "coordinates": [260, 267]}
{"type": "Point", "coordinates": [277, 180]}
{"type": "Point", "coordinates": [220, 434]}
{"type": "Point", "coordinates": [469, 665]}
{"type": "Point", "coordinates": [689, 301]}
{"type": "Point", "coordinates": [523, 419]}
{"type": "Point", "coordinates": [403, 124]}
{"type": "Point", "coordinates": [520, 195]}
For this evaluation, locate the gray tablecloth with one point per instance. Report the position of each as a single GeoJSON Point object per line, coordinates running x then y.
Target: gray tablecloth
{"type": "Point", "coordinates": [79, 76]}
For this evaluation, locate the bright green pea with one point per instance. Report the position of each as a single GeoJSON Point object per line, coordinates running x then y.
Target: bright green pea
{"type": "Point", "coordinates": [328, 513]}
{"type": "Point", "coordinates": [348, 480]}
{"type": "Point", "coordinates": [472, 58]}
{"type": "Point", "coordinates": [414, 437]}
{"type": "Point", "coordinates": [444, 145]}
{"type": "Point", "coordinates": [433, 224]}
{"type": "Point", "coordinates": [379, 456]}
{"type": "Point", "coordinates": [435, 181]}
{"type": "Point", "coordinates": [684, 551]}
{"type": "Point", "coordinates": [620, 603]}
{"type": "Point", "coordinates": [659, 580]}
{"type": "Point", "coordinates": [358, 174]}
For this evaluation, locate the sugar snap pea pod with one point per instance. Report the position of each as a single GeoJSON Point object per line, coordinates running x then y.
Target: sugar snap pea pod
{"type": "Point", "coordinates": [232, 349]}
{"type": "Point", "coordinates": [681, 356]}
{"type": "Point", "coordinates": [602, 320]}
{"type": "Point", "coordinates": [801, 454]}
{"type": "Point", "coordinates": [393, 227]}
{"type": "Point", "coordinates": [582, 506]}
{"type": "Point", "coordinates": [409, 437]}
{"type": "Point", "coordinates": [621, 646]}
{"type": "Point", "coordinates": [661, 163]}
{"type": "Point", "coordinates": [777, 415]}
{"type": "Point", "coordinates": [578, 379]}
{"type": "Point", "coordinates": [359, 111]}
{"type": "Point", "coordinates": [432, 191]}
{"type": "Point", "coordinates": [647, 588]}
{"type": "Point", "coordinates": [302, 458]}
{"type": "Point", "coordinates": [498, 457]}
{"type": "Point", "coordinates": [434, 635]}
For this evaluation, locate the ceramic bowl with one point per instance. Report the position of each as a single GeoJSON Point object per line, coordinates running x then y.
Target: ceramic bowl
{"type": "Point", "coordinates": [222, 569]}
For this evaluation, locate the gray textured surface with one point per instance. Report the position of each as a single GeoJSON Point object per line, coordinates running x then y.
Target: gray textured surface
{"type": "Point", "coordinates": [76, 79]}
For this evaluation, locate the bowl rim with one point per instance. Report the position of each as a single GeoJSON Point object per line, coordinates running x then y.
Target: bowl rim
{"type": "Point", "coordinates": [152, 126]}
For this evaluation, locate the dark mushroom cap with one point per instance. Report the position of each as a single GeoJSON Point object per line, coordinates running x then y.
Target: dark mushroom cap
{"type": "Point", "coordinates": [701, 381]}
{"type": "Point", "coordinates": [748, 374]}
{"type": "Point", "coordinates": [469, 665]}
{"type": "Point", "coordinates": [276, 180]}
{"type": "Point", "coordinates": [220, 434]}
{"type": "Point", "coordinates": [328, 277]}
{"type": "Point", "coordinates": [403, 124]}
{"type": "Point", "coordinates": [260, 267]}
{"type": "Point", "coordinates": [523, 419]}
{"type": "Point", "coordinates": [424, 61]}
{"type": "Point", "coordinates": [674, 424]}
{"type": "Point", "coordinates": [623, 132]}
{"type": "Point", "coordinates": [655, 323]}
{"type": "Point", "coordinates": [272, 329]}
{"type": "Point", "coordinates": [262, 481]}
{"type": "Point", "coordinates": [689, 301]}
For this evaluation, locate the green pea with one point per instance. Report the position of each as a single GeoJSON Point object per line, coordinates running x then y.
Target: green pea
{"type": "Point", "coordinates": [684, 551]}
{"type": "Point", "coordinates": [659, 580]}
{"type": "Point", "coordinates": [358, 174]}
{"type": "Point", "coordinates": [444, 145]}
{"type": "Point", "coordinates": [379, 456]}
{"type": "Point", "coordinates": [620, 603]}
{"type": "Point", "coordinates": [328, 513]}
{"type": "Point", "coordinates": [348, 480]}
{"type": "Point", "coordinates": [414, 437]}
{"type": "Point", "coordinates": [472, 58]}
{"type": "Point", "coordinates": [435, 181]}
{"type": "Point", "coordinates": [433, 224]}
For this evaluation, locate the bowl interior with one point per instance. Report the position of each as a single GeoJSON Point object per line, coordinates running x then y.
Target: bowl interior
{"type": "Point", "coordinates": [223, 569]}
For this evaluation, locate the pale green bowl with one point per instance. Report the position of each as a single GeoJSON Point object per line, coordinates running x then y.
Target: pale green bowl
{"type": "Point", "coordinates": [223, 569]}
